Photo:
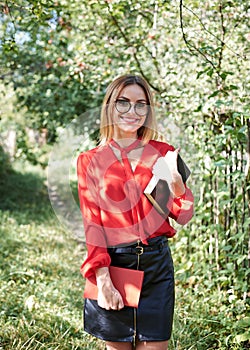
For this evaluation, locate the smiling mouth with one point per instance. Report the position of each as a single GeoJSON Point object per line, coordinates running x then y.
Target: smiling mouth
{"type": "Point", "coordinates": [130, 120]}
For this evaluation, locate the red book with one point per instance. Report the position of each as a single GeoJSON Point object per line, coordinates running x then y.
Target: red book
{"type": "Point", "coordinates": [128, 282]}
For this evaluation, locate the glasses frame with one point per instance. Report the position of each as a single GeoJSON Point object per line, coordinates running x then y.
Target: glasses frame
{"type": "Point", "coordinates": [130, 106]}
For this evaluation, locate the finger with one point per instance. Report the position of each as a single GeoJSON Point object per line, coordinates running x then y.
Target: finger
{"type": "Point", "coordinates": [104, 305]}
{"type": "Point", "coordinates": [119, 302]}
{"type": "Point", "coordinates": [120, 305]}
{"type": "Point", "coordinates": [114, 306]}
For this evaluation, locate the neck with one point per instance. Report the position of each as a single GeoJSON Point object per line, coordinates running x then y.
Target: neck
{"type": "Point", "coordinates": [125, 140]}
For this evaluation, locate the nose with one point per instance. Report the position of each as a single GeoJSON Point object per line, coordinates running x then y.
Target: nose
{"type": "Point", "coordinates": [131, 109]}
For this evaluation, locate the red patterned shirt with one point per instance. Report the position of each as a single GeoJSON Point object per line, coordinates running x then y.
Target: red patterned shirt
{"type": "Point", "coordinates": [114, 208]}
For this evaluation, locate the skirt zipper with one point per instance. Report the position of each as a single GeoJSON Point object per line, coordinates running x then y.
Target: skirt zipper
{"type": "Point", "coordinates": [140, 252]}
{"type": "Point", "coordinates": [134, 336]}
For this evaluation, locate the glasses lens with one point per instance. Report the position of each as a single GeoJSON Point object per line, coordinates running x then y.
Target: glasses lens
{"type": "Point", "coordinates": [122, 106]}
{"type": "Point", "coordinates": [141, 109]}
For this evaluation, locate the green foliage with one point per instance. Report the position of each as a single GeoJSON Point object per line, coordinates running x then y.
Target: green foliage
{"type": "Point", "coordinates": [60, 62]}
{"type": "Point", "coordinates": [57, 59]}
{"type": "Point", "coordinates": [41, 287]}
{"type": "Point", "coordinates": [5, 165]}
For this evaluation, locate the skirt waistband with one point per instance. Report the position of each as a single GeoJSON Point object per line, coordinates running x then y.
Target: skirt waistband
{"type": "Point", "coordinates": [156, 243]}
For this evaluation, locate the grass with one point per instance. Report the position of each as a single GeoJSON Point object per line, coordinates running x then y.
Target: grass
{"type": "Point", "coordinates": [41, 287]}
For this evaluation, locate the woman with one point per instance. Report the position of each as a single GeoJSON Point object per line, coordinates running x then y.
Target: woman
{"type": "Point", "coordinates": [118, 218]}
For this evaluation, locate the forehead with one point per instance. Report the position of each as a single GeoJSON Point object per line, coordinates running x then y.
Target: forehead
{"type": "Point", "coordinates": [133, 91]}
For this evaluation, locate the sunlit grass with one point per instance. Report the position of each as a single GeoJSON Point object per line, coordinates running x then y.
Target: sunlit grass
{"type": "Point", "coordinates": [41, 287]}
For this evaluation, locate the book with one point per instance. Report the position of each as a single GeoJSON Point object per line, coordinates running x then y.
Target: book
{"type": "Point", "coordinates": [157, 191]}
{"type": "Point", "coordinates": [127, 281]}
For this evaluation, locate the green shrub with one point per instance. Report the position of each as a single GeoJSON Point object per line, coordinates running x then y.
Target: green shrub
{"type": "Point", "coordinates": [5, 165]}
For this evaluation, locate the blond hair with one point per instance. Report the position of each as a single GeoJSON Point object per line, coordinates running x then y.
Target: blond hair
{"type": "Point", "coordinates": [148, 131]}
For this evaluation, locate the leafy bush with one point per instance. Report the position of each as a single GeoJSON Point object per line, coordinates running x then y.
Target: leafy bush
{"type": "Point", "coordinates": [5, 166]}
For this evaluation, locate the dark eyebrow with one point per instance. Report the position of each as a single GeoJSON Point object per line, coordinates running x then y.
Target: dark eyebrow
{"type": "Point", "coordinates": [142, 100]}
{"type": "Point", "coordinates": [127, 99]}
{"type": "Point", "coordinates": [122, 98]}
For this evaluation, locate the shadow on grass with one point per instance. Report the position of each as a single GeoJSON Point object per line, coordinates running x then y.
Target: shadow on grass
{"type": "Point", "coordinates": [25, 193]}
{"type": "Point", "coordinates": [41, 287]}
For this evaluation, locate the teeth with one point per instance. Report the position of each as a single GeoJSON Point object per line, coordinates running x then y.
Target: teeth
{"type": "Point", "coordinates": [130, 120]}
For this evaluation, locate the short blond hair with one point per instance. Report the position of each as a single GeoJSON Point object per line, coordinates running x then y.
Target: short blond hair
{"type": "Point", "coordinates": [148, 131]}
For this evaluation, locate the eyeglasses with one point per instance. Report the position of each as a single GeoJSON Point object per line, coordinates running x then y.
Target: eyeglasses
{"type": "Point", "coordinates": [140, 108]}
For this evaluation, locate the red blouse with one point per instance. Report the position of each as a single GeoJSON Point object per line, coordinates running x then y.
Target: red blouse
{"type": "Point", "coordinates": [115, 211]}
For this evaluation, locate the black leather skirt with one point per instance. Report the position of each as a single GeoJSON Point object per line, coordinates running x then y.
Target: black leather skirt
{"type": "Point", "coordinates": [153, 319]}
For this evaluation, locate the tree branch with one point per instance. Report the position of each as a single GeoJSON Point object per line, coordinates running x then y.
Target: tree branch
{"type": "Point", "coordinates": [9, 12]}
{"type": "Point", "coordinates": [192, 48]}
{"type": "Point", "coordinates": [154, 60]}
{"type": "Point", "coordinates": [222, 41]}
{"type": "Point", "coordinates": [146, 17]}
{"type": "Point", "coordinates": [247, 170]}
{"type": "Point", "coordinates": [154, 87]}
{"type": "Point", "coordinates": [223, 33]}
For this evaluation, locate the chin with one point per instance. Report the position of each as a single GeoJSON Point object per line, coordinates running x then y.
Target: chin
{"type": "Point", "coordinates": [128, 129]}
{"type": "Point", "coordinates": [123, 127]}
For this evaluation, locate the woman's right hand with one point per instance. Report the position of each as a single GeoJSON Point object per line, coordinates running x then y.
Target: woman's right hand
{"type": "Point", "coordinates": [108, 296]}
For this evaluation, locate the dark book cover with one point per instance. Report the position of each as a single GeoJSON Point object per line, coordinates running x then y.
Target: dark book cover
{"type": "Point", "coordinates": [157, 191]}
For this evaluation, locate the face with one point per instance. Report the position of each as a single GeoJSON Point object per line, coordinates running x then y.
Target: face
{"type": "Point", "coordinates": [127, 122]}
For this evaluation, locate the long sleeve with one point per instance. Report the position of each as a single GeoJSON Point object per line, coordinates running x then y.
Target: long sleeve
{"type": "Point", "coordinates": [97, 255]}
{"type": "Point", "coordinates": [182, 208]}
{"type": "Point", "coordinates": [115, 210]}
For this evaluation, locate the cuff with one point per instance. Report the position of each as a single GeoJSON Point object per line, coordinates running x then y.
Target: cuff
{"type": "Point", "coordinates": [90, 265]}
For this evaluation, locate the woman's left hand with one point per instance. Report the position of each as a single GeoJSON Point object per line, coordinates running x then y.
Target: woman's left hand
{"type": "Point", "coordinates": [165, 168]}
{"type": "Point", "coordinates": [109, 297]}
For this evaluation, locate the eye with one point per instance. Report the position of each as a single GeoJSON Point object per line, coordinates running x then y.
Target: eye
{"type": "Point", "coordinates": [141, 105]}
{"type": "Point", "coordinates": [122, 103]}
